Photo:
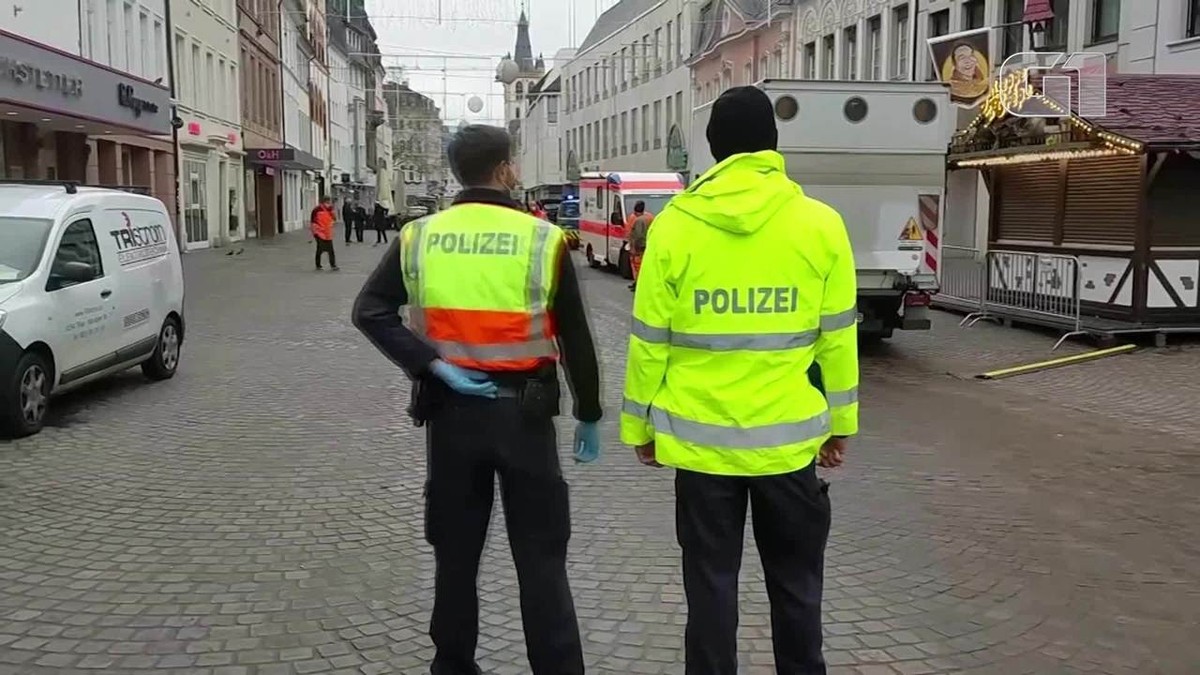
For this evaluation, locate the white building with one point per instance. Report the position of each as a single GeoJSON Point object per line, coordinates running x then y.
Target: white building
{"type": "Point", "coordinates": [205, 36]}
{"type": "Point", "coordinates": [318, 92]}
{"type": "Point", "coordinates": [627, 88]}
{"type": "Point", "coordinates": [542, 157]}
{"type": "Point", "coordinates": [296, 53]}
{"type": "Point", "coordinates": [341, 132]}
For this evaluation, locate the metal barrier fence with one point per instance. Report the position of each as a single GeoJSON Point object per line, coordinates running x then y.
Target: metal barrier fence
{"type": "Point", "coordinates": [962, 280]}
{"type": "Point", "coordinates": [1033, 286]}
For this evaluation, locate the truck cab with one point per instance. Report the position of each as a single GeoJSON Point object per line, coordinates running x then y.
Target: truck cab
{"type": "Point", "coordinates": [606, 199]}
{"type": "Point", "coordinates": [875, 152]}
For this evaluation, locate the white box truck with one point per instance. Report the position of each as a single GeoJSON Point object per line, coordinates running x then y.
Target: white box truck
{"type": "Point", "coordinates": [876, 152]}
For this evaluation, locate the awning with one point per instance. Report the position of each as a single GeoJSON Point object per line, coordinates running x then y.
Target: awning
{"type": "Point", "coordinates": [288, 159]}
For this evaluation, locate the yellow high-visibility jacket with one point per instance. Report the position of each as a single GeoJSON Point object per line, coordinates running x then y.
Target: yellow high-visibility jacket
{"type": "Point", "coordinates": [745, 282]}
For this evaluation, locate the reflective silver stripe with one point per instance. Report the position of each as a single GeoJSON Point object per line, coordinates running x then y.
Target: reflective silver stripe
{"type": "Point", "coordinates": [846, 319]}
{"type": "Point", "coordinates": [725, 342]}
{"type": "Point", "coordinates": [647, 333]}
{"type": "Point", "coordinates": [522, 350]}
{"type": "Point", "coordinates": [638, 410]}
{"type": "Point", "coordinates": [837, 398]}
{"type": "Point", "coordinates": [739, 438]}
{"type": "Point", "coordinates": [760, 342]}
{"type": "Point", "coordinates": [536, 297]}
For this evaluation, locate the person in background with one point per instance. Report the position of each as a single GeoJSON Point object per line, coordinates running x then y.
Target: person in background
{"type": "Point", "coordinates": [321, 222]}
{"type": "Point", "coordinates": [360, 221]}
{"type": "Point", "coordinates": [728, 398]}
{"type": "Point", "coordinates": [639, 231]}
{"type": "Point", "coordinates": [536, 210]}
{"type": "Point", "coordinates": [380, 221]}
{"type": "Point", "coordinates": [348, 218]}
{"type": "Point", "coordinates": [485, 372]}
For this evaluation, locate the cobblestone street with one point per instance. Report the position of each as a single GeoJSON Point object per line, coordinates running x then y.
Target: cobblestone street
{"type": "Point", "coordinates": [261, 514]}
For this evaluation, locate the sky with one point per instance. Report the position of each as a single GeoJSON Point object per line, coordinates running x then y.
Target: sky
{"type": "Point", "coordinates": [410, 35]}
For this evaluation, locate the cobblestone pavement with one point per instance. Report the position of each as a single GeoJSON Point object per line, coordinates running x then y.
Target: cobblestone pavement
{"type": "Point", "coordinates": [260, 514]}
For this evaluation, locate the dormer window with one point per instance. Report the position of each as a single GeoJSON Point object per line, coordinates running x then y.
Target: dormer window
{"type": "Point", "coordinates": [726, 21]}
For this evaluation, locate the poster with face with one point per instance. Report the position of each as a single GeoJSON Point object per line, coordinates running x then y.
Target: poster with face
{"type": "Point", "coordinates": [961, 60]}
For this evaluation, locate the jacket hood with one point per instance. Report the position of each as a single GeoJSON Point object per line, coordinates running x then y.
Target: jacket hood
{"type": "Point", "coordinates": [740, 194]}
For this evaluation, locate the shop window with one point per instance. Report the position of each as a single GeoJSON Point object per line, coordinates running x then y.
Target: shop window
{"type": "Point", "coordinates": [1193, 18]}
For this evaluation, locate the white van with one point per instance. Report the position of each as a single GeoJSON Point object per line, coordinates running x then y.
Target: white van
{"type": "Point", "coordinates": [91, 283]}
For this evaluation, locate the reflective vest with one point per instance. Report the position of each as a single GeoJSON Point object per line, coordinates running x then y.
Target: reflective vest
{"type": "Point", "coordinates": [745, 282]}
{"type": "Point", "coordinates": [480, 279]}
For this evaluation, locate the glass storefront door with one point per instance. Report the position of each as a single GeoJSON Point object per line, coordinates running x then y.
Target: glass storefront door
{"type": "Point", "coordinates": [195, 215]}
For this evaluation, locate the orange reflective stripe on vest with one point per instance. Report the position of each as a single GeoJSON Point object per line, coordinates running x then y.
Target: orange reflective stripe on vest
{"type": "Point", "coordinates": [480, 279]}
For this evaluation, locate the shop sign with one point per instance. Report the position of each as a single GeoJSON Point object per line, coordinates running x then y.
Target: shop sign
{"type": "Point", "coordinates": [272, 155]}
{"type": "Point", "coordinates": [49, 81]}
{"type": "Point", "coordinates": [128, 98]}
{"type": "Point", "coordinates": [25, 73]}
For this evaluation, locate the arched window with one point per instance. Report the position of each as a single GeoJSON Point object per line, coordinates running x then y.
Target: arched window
{"type": "Point", "coordinates": [520, 89]}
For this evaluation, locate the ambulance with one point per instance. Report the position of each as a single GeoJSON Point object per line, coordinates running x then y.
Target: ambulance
{"type": "Point", "coordinates": [606, 200]}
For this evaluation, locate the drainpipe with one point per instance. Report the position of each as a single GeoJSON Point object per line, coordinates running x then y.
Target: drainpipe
{"type": "Point", "coordinates": [175, 121]}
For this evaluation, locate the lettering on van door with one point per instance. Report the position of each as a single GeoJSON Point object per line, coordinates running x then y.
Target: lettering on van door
{"type": "Point", "coordinates": [139, 244]}
{"type": "Point", "coordinates": [137, 318]}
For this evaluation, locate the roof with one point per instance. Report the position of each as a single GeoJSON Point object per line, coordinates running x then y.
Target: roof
{"type": "Point", "coordinates": [48, 201]}
{"type": "Point", "coordinates": [752, 13]}
{"type": "Point", "coordinates": [523, 52]}
{"type": "Point", "coordinates": [1153, 109]}
{"type": "Point", "coordinates": [614, 19]}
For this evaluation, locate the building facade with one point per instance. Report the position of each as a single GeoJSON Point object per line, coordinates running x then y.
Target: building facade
{"type": "Point", "coordinates": [542, 156]}
{"type": "Point", "coordinates": [627, 92]}
{"type": "Point", "coordinates": [341, 151]}
{"type": "Point", "coordinates": [204, 35]}
{"type": "Point", "coordinates": [417, 141]}
{"type": "Point", "coordinates": [82, 96]}
{"type": "Point", "coordinates": [296, 54]}
{"type": "Point", "coordinates": [318, 93]}
{"type": "Point", "coordinates": [262, 115]}
{"type": "Point", "coordinates": [740, 42]}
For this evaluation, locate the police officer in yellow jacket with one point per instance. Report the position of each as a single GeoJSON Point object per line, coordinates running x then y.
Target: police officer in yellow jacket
{"type": "Point", "coordinates": [745, 283]}
{"type": "Point", "coordinates": [493, 301]}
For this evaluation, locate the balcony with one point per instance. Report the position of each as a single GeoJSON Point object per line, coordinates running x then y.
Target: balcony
{"type": "Point", "coordinates": [657, 143]}
{"type": "Point", "coordinates": [624, 150]}
{"type": "Point", "coordinates": [645, 146]}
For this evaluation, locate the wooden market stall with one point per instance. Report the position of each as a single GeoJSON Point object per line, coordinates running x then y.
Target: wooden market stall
{"type": "Point", "coordinates": [1114, 195]}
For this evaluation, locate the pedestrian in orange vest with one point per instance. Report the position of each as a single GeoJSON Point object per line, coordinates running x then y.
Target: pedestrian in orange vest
{"type": "Point", "coordinates": [321, 222]}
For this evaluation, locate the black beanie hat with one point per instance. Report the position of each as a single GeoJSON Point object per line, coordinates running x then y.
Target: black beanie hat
{"type": "Point", "coordinates": [742, 120]}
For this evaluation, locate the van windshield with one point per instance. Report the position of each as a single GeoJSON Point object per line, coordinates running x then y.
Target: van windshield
{"type": "Point", "coordinates": [654, 203]}
{"type": "Point", "coordinates": [21, 243]}
{"type": "Point", "coordinates": [568, 210]}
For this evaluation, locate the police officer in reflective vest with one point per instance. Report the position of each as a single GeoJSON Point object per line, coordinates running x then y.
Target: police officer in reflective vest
{"type": "Point", "coordinates": [745, 283]}
{"type": "Point", "coordinates": [493, 301]}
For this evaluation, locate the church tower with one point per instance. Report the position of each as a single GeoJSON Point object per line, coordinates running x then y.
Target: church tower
{"type": "Point", "coordinates": [531, 70]}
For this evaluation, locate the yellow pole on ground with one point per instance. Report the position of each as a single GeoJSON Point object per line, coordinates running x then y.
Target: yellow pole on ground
{"type": "Point", "coordinates": [1055, 363]}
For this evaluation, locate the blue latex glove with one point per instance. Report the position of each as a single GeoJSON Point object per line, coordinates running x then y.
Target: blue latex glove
{"type": "Point", "coordinates": [587, 442]}
{"type": "Point", "coordinates": [464, 381]}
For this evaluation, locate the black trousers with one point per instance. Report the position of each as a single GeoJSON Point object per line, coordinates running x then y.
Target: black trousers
{"type": "Point", "coordinates": [326, 246]}
{"type": "Point", "coordinates": [358, 230]}
{"type": "Point", "coordinates": [470, 442]}
{"type": "Point", "coordinates": [791, 525]}
{"type": "Point", "coordinates": [381, 235]}
{"type": "Point", "coordinates": [349, 229]}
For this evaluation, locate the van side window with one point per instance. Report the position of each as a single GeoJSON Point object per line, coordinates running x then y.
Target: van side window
{"type": "Point", "coordinates": [78, 245]}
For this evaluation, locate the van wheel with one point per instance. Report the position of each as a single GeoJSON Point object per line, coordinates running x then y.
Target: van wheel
{"type": "Point", "coordinates": [591, 256]}
{"type": "Point", "coordinates": [25, 399]}
{"type": "Point", "coordinates": [163, 363]}
{"type": "Point", "coordinates": [624, 266]}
